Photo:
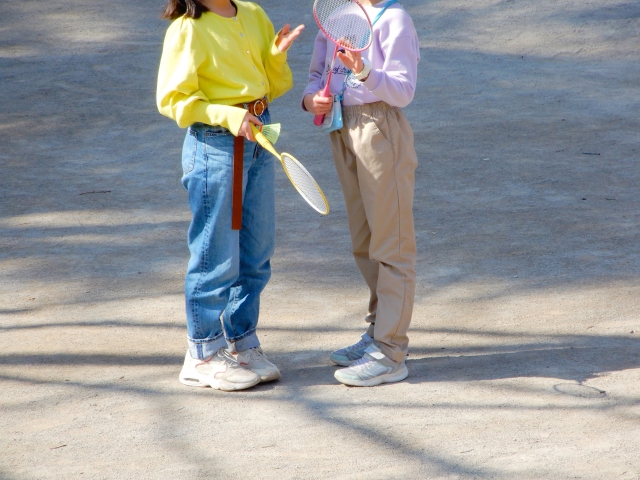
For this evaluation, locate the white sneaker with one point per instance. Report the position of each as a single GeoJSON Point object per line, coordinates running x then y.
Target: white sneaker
{"type": "Point", "coordinates": [221, 371]}
{"type": "Point", "coordinates": [349, 355]}
{"type": "Point", "coordinates": [255, 360]}
{"type": "Point", "coordinates": [372, 369]}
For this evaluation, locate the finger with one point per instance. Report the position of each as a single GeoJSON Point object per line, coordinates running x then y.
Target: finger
{"type": "Point", "coordinates": [245, 128]}
{"type": "Point", "coordinates": [285, 30]}
{"type": "Point", "coordinates": [292, 36]}
{"type": "Point", "coordinates": [348, 62]}
{"type": "Point", "coordinates": [288, 39]}
{"type": "Point", "coordinates": [253, 119]}
{"type": "Point", "coordinates": [345, 54]}
{"type": "Point", "coordinates": [324, 100]}
{"type": "Point", "coordinates": [248, 133]}
{"type": "Point", "coordinates": [298, 30]}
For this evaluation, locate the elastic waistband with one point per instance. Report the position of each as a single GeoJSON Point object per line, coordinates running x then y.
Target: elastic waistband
{"type": "Point", "coordinates": [367, 109]}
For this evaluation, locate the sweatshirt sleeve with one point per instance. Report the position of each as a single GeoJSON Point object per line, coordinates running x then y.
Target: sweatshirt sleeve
{"type": "Point", "coordinates": [394, 82]}
{"type": "Point", "coordinates": [178, 94]}
{"type": "Point", "coordinates": [317, 66]}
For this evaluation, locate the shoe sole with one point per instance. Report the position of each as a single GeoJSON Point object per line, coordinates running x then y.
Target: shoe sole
{"type": "Point", "coordinates": [343, 363]}
{"type": "Point", "coordinates": [269, 378]}
{"type": "Point", "coordinates": [217, 384]}
{"type": "Point", "coordinates": [372, 382]}
{"type": "Point", "coordinates": [232, 387]}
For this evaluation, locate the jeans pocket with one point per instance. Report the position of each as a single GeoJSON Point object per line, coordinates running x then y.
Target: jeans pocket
{"type": "Point", "coordinates": [218, 144]}
{"type": "Point", "coordinates": [189, 150]}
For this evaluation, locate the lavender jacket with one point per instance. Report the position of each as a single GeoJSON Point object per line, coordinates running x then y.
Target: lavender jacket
{"type": "Point", "coordinates": [394, 56]}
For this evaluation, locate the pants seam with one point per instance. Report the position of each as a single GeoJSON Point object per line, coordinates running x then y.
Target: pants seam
{"type": "Point", "coordinates": [404, 281]}
{"type": "Point", "coordinates": [204, 264]}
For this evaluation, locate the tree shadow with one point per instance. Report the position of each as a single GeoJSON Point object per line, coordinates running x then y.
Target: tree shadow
{"type": "Point", "coordinates": [569, 358]}
{"type": "Point", "coordinates": [527, 181]}
{"type": "Point", "coordinates": [572, 358]}
{"type": "Point", "coordinates": [575, 358]}
{"type": "Point", "coordinates": [610, 13]}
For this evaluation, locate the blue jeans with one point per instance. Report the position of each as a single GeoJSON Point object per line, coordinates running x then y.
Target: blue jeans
{"type": "Point", "coordinates": [228, 268]}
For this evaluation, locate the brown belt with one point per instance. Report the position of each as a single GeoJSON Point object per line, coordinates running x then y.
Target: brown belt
{"type": "Point", "coordinates": [257, 108]}
{"type": "Point", "coordinates": [236, 199]}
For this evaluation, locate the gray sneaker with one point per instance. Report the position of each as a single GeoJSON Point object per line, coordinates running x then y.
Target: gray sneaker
{"type": "Point", "coordinates": [349, 355]}
{"type": "Point", "coordinates": [220, 371]}
{"type": "Point", "coordinates": [372, 369]}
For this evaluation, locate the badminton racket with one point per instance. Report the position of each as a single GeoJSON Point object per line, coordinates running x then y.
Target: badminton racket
{"type": "Point", "coordinates": [347, 25]}
{"type": "Point", "coordinates": [299, 177]}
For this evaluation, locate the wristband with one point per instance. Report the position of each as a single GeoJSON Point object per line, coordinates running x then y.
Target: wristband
{"type": "Point", "coordinates": [366, 69]}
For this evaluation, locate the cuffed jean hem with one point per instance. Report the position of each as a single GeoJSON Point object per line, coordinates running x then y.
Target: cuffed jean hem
{"type": "Point", "coordinates": [203, 350]}
{"type": "Point", "coordinates": [244, 343]}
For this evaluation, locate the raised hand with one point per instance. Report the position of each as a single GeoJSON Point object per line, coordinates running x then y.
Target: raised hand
{"type": "Point", "coordinates": [351, 60]}
{"type": "Point", "coordinates": [287, 36]}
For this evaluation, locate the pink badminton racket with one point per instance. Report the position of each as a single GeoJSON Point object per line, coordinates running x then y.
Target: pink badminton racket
{"type": "Point", "coordinates": [347, 25]}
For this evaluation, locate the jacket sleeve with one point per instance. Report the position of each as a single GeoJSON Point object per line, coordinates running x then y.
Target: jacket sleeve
{"type": "Point", "coordinates": [178, 94]}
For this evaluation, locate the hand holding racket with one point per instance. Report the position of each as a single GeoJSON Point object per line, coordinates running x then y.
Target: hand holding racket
{"type": "Point", "coordinates": [347, 25]}
{"type": "Point", "coordinates": [352, 60]}
{"type": "Point", "coordinates": [301, 179]}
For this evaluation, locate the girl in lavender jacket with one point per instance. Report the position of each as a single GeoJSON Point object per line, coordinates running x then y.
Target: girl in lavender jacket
{"type": "Point", "coordinates": [375, 160]}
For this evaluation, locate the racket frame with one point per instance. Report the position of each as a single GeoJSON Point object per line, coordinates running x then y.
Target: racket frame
{"type": "Point", "coordinates": [302, 194]}
{"type": "Point", "coordinates": [266, 144]}
{"type": "Point", "coordinates": [326, 92]}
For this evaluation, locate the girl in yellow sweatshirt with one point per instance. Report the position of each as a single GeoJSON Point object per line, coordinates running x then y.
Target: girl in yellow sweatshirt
{"type": "Point", "coordinates": [222, 64]}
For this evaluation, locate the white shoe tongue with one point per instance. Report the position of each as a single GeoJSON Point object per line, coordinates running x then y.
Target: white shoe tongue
{"type": "Point", "coordinates": [375, 352]}
{"type": "Point", "coordinates": [377, 355]}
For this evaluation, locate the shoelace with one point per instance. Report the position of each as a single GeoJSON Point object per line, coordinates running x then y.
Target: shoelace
{"type": "Point", "coordinates": [358, 345]}
{"type": "Point", "coordinates": [228, 358]}
{"type": "Point", "coordinates": [362, 361]}
{"type": "Point", "coordinates": [254, 353]}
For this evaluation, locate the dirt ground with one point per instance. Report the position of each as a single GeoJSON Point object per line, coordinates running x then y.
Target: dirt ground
{"type": "Point", "coordinates": [525, 349]}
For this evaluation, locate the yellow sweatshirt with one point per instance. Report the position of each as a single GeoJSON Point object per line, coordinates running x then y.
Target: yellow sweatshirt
{"type": "Point", "coordinates": [213, 62]}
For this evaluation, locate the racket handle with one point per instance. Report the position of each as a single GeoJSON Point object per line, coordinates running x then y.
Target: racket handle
{"type": "Point", "coordinates": [318, 119]}
{"type": "Point", "coordinates": [262, 140]}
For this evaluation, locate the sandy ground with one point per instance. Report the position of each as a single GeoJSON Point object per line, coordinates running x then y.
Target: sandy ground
{"type": "Point", "coordinates": [525, 355]}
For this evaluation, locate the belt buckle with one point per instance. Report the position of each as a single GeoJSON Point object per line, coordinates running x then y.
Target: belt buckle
{"type": "Point", "coordinates": [259, 107]}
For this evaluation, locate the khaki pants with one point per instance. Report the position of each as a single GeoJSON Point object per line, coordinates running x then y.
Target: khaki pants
{"type": "Point", "coordinates": [375, 160]}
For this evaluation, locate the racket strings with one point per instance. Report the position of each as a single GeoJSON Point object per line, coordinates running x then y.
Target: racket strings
{"type": "Point", "coordinates": [304, 183]}
{"type": "Point", "coordinates": [345, 22]}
